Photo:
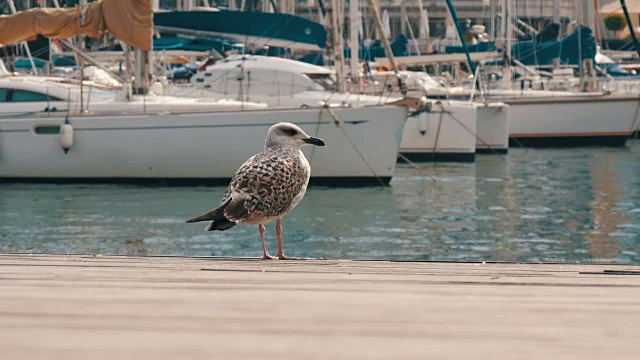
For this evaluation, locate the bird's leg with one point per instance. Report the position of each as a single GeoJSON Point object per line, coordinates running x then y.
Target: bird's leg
{"type": "Point", "coordinates": [266, 255]}
{"type": "Point", "coordinates": [281, 255]}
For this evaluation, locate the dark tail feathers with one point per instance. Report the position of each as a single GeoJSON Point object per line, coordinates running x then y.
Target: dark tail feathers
{"type": "Point", "coordinates": [219, 221]}
{"type": "Point", "coordinates": [221, 225]}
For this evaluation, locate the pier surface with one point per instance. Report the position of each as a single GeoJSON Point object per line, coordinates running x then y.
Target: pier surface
{"type": "Point", "coordinates": [116, 307]}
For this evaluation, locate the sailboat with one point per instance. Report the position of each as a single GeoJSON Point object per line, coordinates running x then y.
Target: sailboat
{"type": "Point", "coordinates": [543, 117]}
{"type": "Point", "coordinates": [256, 28]}
{"type": "Point", "coordinates": [52, 130]}
{"type": "Point", "coordinates": [447, 131]}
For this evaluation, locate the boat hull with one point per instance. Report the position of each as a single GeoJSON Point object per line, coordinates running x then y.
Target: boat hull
{"type": "Point", "coordinates": [446, 133]}
{"type": "Point", "coordinates": [572, 121]}
{"type": "Point", "coordinates": [493, 129]}
{"type": "Point", "coordinates": [198, 147]}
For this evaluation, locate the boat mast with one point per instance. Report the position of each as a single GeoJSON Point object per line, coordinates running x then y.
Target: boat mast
{"type": "Point", "coordinates": [322, 14]}
{"type": "Point", "coordinates": [385, 42]}
{"type": "Point", "coordinates": [24, 44]}
{"type": "Point", "coordinates": [338, 47]}
{"type": "Point", "coordinates": [424, 23]}
{"type": "Point", "coordinates": [630, 24]}
{"type": "Point", "coordinates": [355, 20]}
{"type": "Point", "coordinates": [80, 53]}
{"type": "Point", "coordinates": [492, 24]}
{"type": "Point", "coordinates": [596, 17]}
{"type": "Point", "coordinates": [454, 16]}
{"type": "Point", "coordinates": [81, 44]}
{"type": "Point", "coordinates": [506, 41]}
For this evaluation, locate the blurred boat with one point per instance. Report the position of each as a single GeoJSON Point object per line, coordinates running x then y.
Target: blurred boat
{"type": "Point", "coordinates": [447, 131]}
{"type": "Point", "coordinates": [49, 132]}
{"type": "Point", "coordinates": [257, 28]}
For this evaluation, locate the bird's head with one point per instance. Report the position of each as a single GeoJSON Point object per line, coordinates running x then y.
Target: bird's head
{"type": "Point", "coordinates": [289, 135]}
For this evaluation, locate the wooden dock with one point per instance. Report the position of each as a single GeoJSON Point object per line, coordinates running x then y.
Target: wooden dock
{"type": "Point", "coordinates": [112, 307]}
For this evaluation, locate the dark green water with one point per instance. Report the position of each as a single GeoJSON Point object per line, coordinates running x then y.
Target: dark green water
{"type": "Point", "coordinates": [552, 205]}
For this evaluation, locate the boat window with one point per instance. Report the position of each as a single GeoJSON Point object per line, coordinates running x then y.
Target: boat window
{"type": "Point", "coordinates": [25, 96]}
{"type": "Point", "coordinates": [326, 81]}
{"type": "Point", "coordinates": [47, 129]}
{"type": "Point", "coordinates": [101, 94]}
{"type": "Point", "coordinates": [3, 95]}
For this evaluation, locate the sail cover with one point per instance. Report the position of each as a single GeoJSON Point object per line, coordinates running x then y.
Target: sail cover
{"type": "Point", "coordinates": [260, 29]}
{"type": "Point", "coordinates": [128, 20]}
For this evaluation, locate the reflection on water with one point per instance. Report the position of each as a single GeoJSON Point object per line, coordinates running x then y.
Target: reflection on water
{"type": "Point", "coordinates": [605, 217]}
{"type": "Point", "coordinates": [556, 205]}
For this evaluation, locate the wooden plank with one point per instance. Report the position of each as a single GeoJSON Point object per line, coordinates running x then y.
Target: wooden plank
{"type": "Point", "coordinates": [115, 307]}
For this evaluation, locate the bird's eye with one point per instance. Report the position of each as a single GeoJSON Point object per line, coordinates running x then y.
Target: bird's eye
{"type": "Point", "coordinates": [290, 131]}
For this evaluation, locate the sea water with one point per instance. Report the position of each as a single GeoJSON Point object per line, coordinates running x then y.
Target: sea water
{"type": "Point", "coordinates": [533, 205]}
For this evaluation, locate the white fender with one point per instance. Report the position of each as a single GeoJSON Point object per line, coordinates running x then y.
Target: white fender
{"type": "Point", "coordinates": [423, 123]}
{"type": "Point", "coordinates": [66, 137]}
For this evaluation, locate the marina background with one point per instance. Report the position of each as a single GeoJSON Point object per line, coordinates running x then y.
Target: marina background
{"type": "Point", "coordinates": [577, 205]}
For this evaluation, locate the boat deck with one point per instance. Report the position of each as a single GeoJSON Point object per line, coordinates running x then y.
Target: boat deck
{"type": "Point", "coordinates": [117, 307]}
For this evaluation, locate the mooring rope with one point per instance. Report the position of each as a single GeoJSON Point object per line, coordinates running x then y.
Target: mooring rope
{"type": "Point", "coordinates": [338, 123]}
{"type": "Point", "coordinates": [435, 145]}
{"type": "Point", "coordinates": [467, 128]}
{"type": "Point", "coordinates": [417, 167]}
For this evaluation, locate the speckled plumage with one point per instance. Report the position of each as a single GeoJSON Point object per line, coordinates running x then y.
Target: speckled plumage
{"type": "Point", "coordinates": [267, 186]}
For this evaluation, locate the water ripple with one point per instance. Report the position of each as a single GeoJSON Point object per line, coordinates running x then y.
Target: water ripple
{"type": "Point", "coordinates": [557, 205]}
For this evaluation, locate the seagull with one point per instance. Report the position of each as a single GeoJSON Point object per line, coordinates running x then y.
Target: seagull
{"type": "Point", "coordinates": [267, 186]}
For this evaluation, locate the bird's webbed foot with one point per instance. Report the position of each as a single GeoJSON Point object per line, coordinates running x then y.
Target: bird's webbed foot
{"type": "Point", "coordinates": [283, 257]}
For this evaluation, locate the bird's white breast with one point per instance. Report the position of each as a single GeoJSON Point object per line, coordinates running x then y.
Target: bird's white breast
{"type": "Point", "coordinates": [303, 190]}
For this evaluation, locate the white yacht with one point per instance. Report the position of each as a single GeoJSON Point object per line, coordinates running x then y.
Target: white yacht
{"type": "Point", "coordinates": [447, 131]}
{"type": "Point", "coordinates": [49, 131]}
{"type": "Point", "coordinates": [565, 118]}
{"type": "Point", "coordinates": [540, 116]}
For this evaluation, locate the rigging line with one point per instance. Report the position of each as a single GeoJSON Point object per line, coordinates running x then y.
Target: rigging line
{"type": "Point", "coordinates": [476, 78]}
{"type": "Point", "coordinates": [521, 145]}
{"type": "Point", "coordinates": [387, 98]}
{"type": "Point", "coordinates": [281, 19]}
{"type": "Point", "coordinates": [484, 12]}
{"type": "Point", "coordinates": [469, 130]}
{"type": "Point", "coordinates": [543, 46]}
{"type": "Point", "coordinates": [317, 134]}
{"type": "Point", "coordinates": [561, 37]}
{"type": "Point", "coordinates": [384, 89]}
{"type": "Point", "coordinates": [30, 113]}
{"type": "Point", "coordinates": [384, 86]}
{"type": "Point", "coordinates": [354, 25]}
{"type": "Point", "coordinates": [600, 25]}
{"type": "Point", "coordinates": [529, 17]}
{"type": "Point", "coordinates": [338, 123]}
{"type": "Point", "coordinates": [580, 67]}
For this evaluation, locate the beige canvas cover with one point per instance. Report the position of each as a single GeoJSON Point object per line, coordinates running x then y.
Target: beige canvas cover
{"type": "Point", "coordinates": [128, 20]}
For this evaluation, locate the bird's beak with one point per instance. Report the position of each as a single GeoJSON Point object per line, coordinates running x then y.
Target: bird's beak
{"type": "Point", "coordinates": [314, 141]}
